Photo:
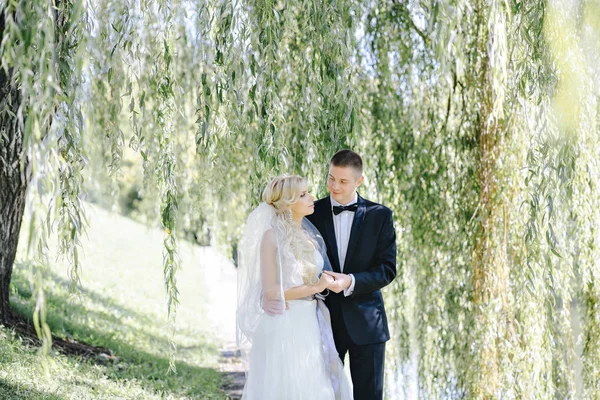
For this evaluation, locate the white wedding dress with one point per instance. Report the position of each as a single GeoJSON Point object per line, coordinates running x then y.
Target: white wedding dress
{"type": "Point", "coordinates": [287, 360]}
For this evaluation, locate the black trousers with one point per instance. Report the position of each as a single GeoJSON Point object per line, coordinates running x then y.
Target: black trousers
{"type": "Point", "coordinates": [366, 363]}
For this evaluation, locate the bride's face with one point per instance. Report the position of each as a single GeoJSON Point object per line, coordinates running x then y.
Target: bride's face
{"type": "Point", "coordinates": [305, 205]}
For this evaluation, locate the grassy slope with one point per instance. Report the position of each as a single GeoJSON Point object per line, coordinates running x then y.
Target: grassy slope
{"type": "Point", "coordinates": [121, 306]}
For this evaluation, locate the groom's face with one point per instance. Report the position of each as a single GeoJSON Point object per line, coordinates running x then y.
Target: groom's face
{"type": "Point", "coordinates": [342, 183]}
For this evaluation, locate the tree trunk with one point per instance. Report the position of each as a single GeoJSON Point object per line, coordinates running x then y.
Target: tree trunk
{"type": "Point", "coordinates": [14, 178]}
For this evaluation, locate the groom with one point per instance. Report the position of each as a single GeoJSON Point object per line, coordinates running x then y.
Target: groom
{"type": "Point", "coordinates": [361, 245]}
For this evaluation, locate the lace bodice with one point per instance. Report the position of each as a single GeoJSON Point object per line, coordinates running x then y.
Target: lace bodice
{"type": "Point", "coordinates": [292, 272]}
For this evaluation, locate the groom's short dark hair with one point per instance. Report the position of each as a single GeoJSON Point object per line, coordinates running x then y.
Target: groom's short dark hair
{"type": "Point", "coordinates": [347, 158]}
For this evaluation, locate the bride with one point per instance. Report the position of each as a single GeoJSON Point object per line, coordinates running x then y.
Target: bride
{"type": "Point", "coordinates": [283, 326]}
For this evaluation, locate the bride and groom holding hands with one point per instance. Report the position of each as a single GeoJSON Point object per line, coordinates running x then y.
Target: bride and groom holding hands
{"type": "Point", "coordinates": [309, 280]}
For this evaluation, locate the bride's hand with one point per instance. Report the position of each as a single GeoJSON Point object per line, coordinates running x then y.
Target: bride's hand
{"type": "Point", "coordinates": [324, 281]}
{"type": "Point", "coordinates": [340, 283]}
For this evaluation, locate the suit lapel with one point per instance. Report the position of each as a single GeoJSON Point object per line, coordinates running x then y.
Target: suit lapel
{"type": "Point", "coordinates": [330, 236]}
{"type": "Point", "coordinates": [359, 217]}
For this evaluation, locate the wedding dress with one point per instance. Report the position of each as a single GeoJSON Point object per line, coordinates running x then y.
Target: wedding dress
{"type": "Point", "coordinates": [290, 355]}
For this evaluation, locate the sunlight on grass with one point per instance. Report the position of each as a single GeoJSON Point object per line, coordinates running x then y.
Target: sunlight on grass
{"type": "Point", "coordinates": [121, 306]}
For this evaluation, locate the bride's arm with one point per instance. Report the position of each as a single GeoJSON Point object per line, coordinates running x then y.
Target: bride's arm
{"type": "Point", "coordinates": [298, 292]}
{"type": "Point", "coordinates": [271, 283]}
{"type": "Point", "coordinates": [272, 303]}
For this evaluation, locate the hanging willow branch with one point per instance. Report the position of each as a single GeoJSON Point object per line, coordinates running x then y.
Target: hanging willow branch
{"type": "Point", "coordinates": [478, 123]}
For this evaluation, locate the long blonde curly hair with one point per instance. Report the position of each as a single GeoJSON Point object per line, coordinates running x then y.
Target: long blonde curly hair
{"type": "Point", "coordinates": [281, 193]}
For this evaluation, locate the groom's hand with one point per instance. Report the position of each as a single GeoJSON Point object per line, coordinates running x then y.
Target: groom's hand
{"type": "Point", "coordinates": [341, 282]}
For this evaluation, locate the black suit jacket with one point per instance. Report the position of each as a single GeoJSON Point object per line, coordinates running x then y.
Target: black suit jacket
{"type": "Point", "coordinates": [371, 258]}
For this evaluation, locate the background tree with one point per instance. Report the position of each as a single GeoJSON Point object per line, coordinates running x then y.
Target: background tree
{"type": "Point", "coordinates": [39, 118]}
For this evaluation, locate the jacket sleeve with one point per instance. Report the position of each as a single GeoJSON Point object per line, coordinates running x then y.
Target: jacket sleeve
{"type": "Point", "coordinates": [383, 270]}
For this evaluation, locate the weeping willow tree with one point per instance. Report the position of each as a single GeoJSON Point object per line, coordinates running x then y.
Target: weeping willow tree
{"type": "Point", "coordinates": [486, 194]}
{"type": "Point", "coordinates": [41, 125]}
{"type": "Point", "coordinates": [478, 122]}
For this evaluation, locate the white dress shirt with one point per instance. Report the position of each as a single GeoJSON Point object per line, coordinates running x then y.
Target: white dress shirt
{"type": "Point", "coordinates": [342, 224]}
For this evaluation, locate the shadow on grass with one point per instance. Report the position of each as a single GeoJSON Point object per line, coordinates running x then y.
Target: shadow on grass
{"type": "Point", "coordinates": [100, 319]}
{"type": "Point", "coordinates": [140, 345]}
{"type": "Point", "coordinates": [14, 391]}
{"type": "Point", "coordinates": [21, 283]}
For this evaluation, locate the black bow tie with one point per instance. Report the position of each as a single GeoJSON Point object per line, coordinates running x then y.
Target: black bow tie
{"type": "Point", "coordinates": [339, 209]}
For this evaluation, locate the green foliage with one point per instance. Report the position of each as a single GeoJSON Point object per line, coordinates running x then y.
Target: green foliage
{"type": "Point", "coordinates": [478, 123]}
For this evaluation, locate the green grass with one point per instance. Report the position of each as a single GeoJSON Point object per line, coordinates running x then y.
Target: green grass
{"type": "Point", "coordinates": [121, 306]}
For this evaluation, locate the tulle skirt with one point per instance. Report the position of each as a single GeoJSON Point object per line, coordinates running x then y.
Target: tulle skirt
{"type": "Point", "coordinates": [287, 359]}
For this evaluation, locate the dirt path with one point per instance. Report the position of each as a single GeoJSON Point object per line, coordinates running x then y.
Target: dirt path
{"type": "Point", "coordinates": [231, 365]}
{"type": "Point", "coordinates": [221, 276]}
